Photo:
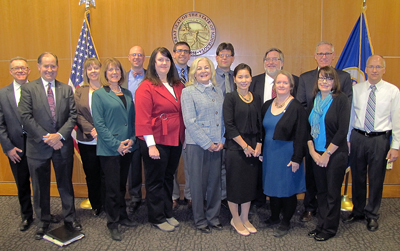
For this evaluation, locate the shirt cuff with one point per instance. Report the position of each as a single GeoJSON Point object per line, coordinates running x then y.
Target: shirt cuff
{"type": "Point", "coordinates": [149, 140]}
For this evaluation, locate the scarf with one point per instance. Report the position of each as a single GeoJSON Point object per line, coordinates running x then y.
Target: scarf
{"type": "Point", "coordinates": [315, 117]}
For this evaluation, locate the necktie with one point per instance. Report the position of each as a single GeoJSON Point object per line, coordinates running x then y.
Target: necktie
{"type": "Point", "coordinates": [134, 74]}
{"type": "Point", "coordinates": [370, 113]}
{"type": "Point", "coordinates": [273, 95]}
{"type": "Point", "coordinates": [52, 104]}
{"type": "Point", "coordinates": [183, 79]}
{"type": "Point", "coordinates": [227, 83]}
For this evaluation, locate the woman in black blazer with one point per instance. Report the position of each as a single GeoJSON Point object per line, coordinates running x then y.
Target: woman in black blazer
{"type": "Point", "coordinates": [86, 134]}
{"type": "Point", "coordinates": [329, 118]}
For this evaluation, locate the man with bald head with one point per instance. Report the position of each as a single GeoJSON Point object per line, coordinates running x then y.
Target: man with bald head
{"type": "Point", "coordinates": [132, 81]}
{"type": "Point", "coordinates": [375, 118]}
{"type": "Point", "coordinates": [324, 56]}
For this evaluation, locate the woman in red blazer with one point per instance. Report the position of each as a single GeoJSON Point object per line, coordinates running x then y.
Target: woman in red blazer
{"type": "Point", "coordinates": [160, 131]}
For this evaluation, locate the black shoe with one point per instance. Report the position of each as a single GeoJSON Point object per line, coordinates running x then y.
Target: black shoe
{"type": "Point", "coordinates": [189, 203]}
{"type": "Point", "coordinates": [205, 230]}
{"type": "Point", "coordinates": [218, 227]}
{"type": "Point", "coordinates": [269, 223]}
{"type": "Point", "coordinates": [323, 236]}
{"type": "Point", "coordinates": [127, 223]}
{"type": "Point", "coordinates": [353, 218]}
{"type": "Point", "coordinates": [281, 231]}
{"type": "Point", "coordinates": [54, 218]}
{"type": "Point", "coordinates": [313, 233]}
{"type": "Point", "coordinates": [307, 216]}
{"type": "Point", "coordinates": [73, 226]}
{"type": "Point", "coordinates": [96, 212]}
{"type": "Point", "coordinates": [372, 224]}
{"type": "Point", "coordinates": [40, 232]}
{"type": "Point", "coordinates": [25, 224]}
{"type": "Point", "coordinates": [133, 207]}
{"type": "Point", "coordinates": [115, 234]}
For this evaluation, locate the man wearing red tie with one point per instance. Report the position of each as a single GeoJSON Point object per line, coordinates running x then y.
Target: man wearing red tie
{"type": "Point", "coordinates": [48, 114]}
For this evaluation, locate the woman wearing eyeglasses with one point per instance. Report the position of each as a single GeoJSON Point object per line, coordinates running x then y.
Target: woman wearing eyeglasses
{"type": "Point", "coordinates": [329, 121]}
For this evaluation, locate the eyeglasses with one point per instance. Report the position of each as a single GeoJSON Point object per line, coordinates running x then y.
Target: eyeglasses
{"type": "Point", "coordinates": [272, 60]}
{"type": "Point", "coordinates": [22, 68]}
{"type": "Point", "coordinates": [136, 54]}
{"type": "Point", "coordinates": [321, 54]}
{"type": "Point", "coordinates": [325, 79]}
{"type": "Point", "coordinates": [224, 55]}
{"type": "Point", "coordinates": [182, 51]}
{"type": "Point", "coordinates": [378, 67]}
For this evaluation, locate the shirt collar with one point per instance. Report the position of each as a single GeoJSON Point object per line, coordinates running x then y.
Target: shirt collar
{"type": "Point", "coordinates": [221, 72]}
{"type": "Point", "coordinates": [202, 87]}
{"type": "Point", "coordinates": [45, 82]}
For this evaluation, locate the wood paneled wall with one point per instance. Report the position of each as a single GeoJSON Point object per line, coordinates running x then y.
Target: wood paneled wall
{"type": "Point", "coordinates": [252, 26]}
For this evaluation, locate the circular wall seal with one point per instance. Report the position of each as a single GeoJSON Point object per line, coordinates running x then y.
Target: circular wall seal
{"type": "Point", "coordinates": [197, 30]}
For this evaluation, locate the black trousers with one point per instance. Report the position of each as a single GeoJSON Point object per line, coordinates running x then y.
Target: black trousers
{"type": "Point", "coordinates": [310, 197]}
{"type": "Point", "coordinates": [40, 174]}
{"type": "Point", "coordinates": [21, 175]}
{"type": "Point", "coordinates": [285, 206]}
{"type": "Point", "coordinates": [135, 176]}
{"type": "Point", "coordinates": [116, 170]}
{"type": "Point", "coordinates": [159, 175]}
{"type": "Point", "coordinates": [329, 183]}
{"type": "Point", "coordinates": [368, 155]}
{"type": "Point", "coordinates": [94, 175]}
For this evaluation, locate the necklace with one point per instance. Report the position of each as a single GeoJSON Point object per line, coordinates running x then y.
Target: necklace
{"type": "Point", "coordinates": [93, 86]}
{"type": "Point", "coordinates": [243, 97]}
{"type": "Point", "coordinates": [282, 104]}
{"type": "Point", "coordinates": [115, 91]}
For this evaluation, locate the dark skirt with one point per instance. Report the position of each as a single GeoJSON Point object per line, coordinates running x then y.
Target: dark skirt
{"type": "Point", "coordinates": [241, 176]}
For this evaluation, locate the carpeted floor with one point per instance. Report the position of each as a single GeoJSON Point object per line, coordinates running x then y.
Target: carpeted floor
{"type": "Point", "coordinates": [350, 237]}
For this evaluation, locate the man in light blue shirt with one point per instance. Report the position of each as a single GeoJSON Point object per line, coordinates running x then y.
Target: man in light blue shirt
{"type": "Point", "coordinates": [133, 78]}
{"type": "Point", "coordinates": [181, 55]}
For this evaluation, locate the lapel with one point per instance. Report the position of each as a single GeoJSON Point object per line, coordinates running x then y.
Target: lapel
{"type": "Point", "coordinates": [13, 103]}
{"type": "Point", "coordinates": [163, 91]}
{"type": "Point", "coordinates": [43, 96]}
{"type": "Point", "coordinates": [59, 96]}
{"type": "Point", "coordinates": [114, 96]}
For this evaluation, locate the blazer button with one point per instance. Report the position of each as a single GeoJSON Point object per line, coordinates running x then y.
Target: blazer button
{"type": "Point", "coordinates": [216, 112]}
{"type": "Point", "coordinates": [213, 100]}
{"type": "Point", "coordinates": [126, 124]}
{"type": "Point", "coordinates": [217, 124]}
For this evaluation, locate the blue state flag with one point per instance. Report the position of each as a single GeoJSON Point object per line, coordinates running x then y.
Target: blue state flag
{"type": "Point", "coordinates": [85, 49]}
{"type": "Point", "coordinates": [356, 51]}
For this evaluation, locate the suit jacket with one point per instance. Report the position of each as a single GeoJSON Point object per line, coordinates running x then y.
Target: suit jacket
{"type": "Point", "coordinates": [114, 123]}
{"type": "Point", "coordinates": [308, 80]}
{"type": "Point", "coordinates": [258, 85]}
{"type": "Point", "coordinates": [37, 120]}
{"type": "Point", "coordinates": [84, 120]}
{"type": "Point", "coordinates": [11, 133]}
{"type": "Point", "coordinates": [158, 113]}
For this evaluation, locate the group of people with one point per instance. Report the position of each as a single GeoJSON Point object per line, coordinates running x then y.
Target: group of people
{"type": "Point", "coordinates": [241, 139]}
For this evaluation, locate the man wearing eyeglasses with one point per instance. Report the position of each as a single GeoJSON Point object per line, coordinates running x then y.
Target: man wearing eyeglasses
{"type": "Point", "coordinates": [375, 116]}
{"type": "Point", "coordinates": [133, 78]}
{"type": "Point", "coordinates": [324, 55]}
{"type": "Point", "coordinates": [262, 84]}
{"type": "Point", "coordinates": [181, 54]}
{"type": "Point", "coordinates": [13, 137]}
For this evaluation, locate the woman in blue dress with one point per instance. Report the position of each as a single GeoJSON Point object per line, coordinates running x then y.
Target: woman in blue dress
{"type": "Point", "coordinates": [285, 134]}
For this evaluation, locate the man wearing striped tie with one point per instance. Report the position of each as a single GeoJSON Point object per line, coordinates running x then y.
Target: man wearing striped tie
{"type": "Point", "coordinates": [181, 55]}
{"type": "Point", "coordinates": [375, 117]}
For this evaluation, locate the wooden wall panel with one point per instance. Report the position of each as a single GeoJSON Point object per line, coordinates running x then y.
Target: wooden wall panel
{"type": "Point", "coordinates": [252, 26]}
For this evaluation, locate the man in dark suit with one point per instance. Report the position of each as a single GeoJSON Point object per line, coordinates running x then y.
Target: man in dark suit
{"type": "Point", "coordinates": [48, 114]}
{"type": "Point", "coordinates": [262, 84]}
{"type": "Point", "coordinates": [324, 55]}
{"type": "Point", "coordinates": [133, 78]}
{"type": "Point", "coordinates": [13, 137]}
{"type": "Point", "coordinates": [181, 54]}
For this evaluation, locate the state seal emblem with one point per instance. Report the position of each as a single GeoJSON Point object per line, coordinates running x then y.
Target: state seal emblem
{"type": "Point", "coordinates": [197, 30]}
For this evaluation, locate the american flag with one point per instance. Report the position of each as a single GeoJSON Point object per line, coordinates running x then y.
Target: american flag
{"type": "Point", "coordinates": [85, 49]}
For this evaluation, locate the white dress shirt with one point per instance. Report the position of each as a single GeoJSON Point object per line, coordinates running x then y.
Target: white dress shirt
{"type": "Point", "coordinates": [269, 82]}
{"type": "Point", "coordinates": [387, 110]}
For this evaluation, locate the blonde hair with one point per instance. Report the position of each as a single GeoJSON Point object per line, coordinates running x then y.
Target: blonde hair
{"type": "Point", "coordinates": [193, 69]}
{"type": "Point", "coordinates": [88, 62]}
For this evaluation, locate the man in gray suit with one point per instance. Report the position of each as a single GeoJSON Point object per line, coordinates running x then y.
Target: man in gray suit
{"type": "Point", "coordinates": [133, 78]}
{"type": "Point", "coordinates": [13, 137]}
{"type": "Point", "coordinates": [324, 55]}
{"type": "Point", "coordinates": [48, 114]}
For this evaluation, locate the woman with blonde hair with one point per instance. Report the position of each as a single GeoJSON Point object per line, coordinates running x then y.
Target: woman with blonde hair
{"type": "Point", "coordinates": [202, 113]}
